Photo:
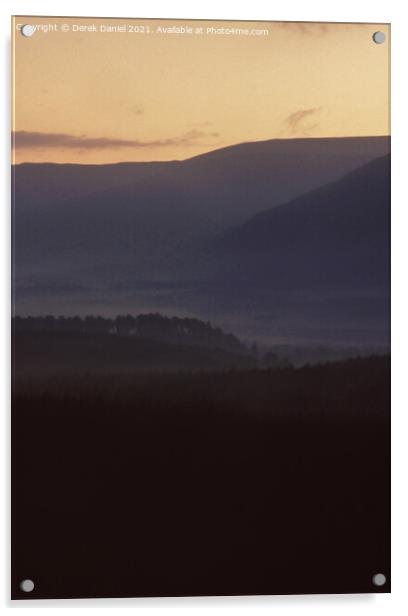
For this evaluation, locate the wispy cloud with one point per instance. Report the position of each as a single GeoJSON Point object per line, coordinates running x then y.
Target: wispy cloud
{"type": "Point", "coordinates": [36, 140]}
{"type": "Point", "coordinates": [298, 121]}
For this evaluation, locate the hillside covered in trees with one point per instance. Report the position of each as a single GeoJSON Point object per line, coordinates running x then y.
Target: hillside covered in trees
{"type": "Point", "coordinates": [272, 480]}
{"type": "Point", "coordinates": [66, 346]}
{"type": "Point", "coordinates": [174, 330]}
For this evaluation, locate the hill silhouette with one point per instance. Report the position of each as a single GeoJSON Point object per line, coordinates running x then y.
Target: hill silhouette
{"type": "Point", "coordinates": [335, 235]}
{"type": "Point", "coordinates": [228, 184]}
{"type": "Point", "coordinates": [221, 234]}
{"type": "Point", "coordinates": [259, 477]}
{"type": "Point", "coordinates": [66, 354]}
{"type": "Point", "coordinates": [95, 345]}
{"type": "Point", "coordinates": [93, 222]}
{"type": "Point", "coordinates": [158, 435]}
{"type": "Point", "coordinates": [174, 330]}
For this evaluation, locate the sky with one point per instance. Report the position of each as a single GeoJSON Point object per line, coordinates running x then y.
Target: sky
{"type": "Point", "coordinates": [86, 92]}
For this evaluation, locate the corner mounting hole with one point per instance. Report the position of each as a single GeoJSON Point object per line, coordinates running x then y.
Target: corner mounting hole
{"type": "Point", "coordinates": [27, 30]}
{"type": "Point", "coordinates": [27, 585]}
{"type": "Point", "coordinates": [379, 37]}
{"type": "Point", "coordinates": [379, 579]}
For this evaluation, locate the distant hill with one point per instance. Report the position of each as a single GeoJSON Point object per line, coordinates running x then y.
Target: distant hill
{"type": "Point", "coordinates": [173, 330]}
{"type": "Point", "coordinates": [225, 185]}
{"type": "Point", "coordinates": [335, 235]}
{"type": "Point", "coordinates": [149, 342]}
{"type": "Point", "coordinates": [264, 237]}
{"type": "Point", "coordinates": [112, 224]}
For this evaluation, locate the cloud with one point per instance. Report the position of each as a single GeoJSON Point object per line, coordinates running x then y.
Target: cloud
{"type": "Point", "coordinates": [296, 122]}
{"type": "Point", "coordinates": [194, 134]}
{"type": "Point", "coordinates": [35, 140]}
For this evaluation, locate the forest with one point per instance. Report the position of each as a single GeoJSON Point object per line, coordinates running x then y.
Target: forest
{"type": "Point", "coordinates": [154, 326]}
{"type": "Point", "coordinates": [264, 479]}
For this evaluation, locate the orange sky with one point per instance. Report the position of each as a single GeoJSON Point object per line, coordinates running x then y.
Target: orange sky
{"type": "Point", "coordinates": [97, 97]}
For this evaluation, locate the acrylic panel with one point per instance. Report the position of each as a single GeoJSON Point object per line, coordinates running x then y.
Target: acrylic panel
{"type": "Point", "coordinates": [201, 308]}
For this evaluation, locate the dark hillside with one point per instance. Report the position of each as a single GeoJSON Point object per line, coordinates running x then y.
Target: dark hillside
{"type": "Point", "coordinates": [269, 481]}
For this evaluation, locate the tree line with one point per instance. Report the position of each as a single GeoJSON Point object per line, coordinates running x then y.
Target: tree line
{"type": "Point", "coordinates": [153, 326]}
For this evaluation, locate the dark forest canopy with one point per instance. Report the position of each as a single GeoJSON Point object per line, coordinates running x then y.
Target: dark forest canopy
{"type": "Point", "coordinates": [154, 326]}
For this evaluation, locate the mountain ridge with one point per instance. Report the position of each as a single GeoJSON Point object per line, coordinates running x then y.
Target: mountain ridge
{"type": "Point", "coordinates": [229, 184]}
{"type": "Point", "coordinates": [349, 214]}
{"type": "Point", "coordinates": [241, 144]}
